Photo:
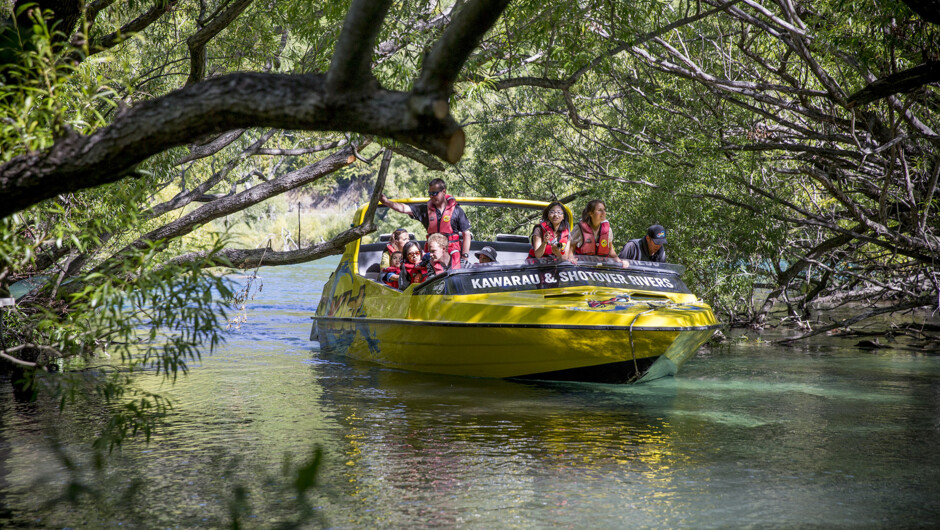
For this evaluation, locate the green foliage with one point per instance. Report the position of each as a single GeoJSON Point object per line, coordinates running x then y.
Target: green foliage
{"type": "Point", "coordinates": [149, 317]}
{"type": "Point", "coordinates": [42, 97]}
{"type": "Point", "coordinates": [245, 490]}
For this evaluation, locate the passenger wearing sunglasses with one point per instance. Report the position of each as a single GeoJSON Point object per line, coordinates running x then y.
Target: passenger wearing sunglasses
{"type": "Point", "coordinates": [441, 215]}
{"type": "Point", "coordinates": [413, 267]}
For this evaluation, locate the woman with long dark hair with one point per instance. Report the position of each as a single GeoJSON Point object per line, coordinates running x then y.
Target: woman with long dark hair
{"type": "Point", "coordinates": [550, 236]}
{"type": "Point", "coordinates": [412, 270]}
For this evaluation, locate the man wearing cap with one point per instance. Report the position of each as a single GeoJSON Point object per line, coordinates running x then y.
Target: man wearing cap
{"type": "Point", "coordinates": [648, 248]}
{"type": "Point", "coordinates": [486, 255]}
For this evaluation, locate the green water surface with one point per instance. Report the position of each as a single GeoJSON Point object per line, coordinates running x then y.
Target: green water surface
{"type": "Point", "coordinates": [823, 434]}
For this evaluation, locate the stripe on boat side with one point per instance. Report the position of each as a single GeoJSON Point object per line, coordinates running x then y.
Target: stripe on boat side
{"type": "Point", "coordinates": [445, 323]}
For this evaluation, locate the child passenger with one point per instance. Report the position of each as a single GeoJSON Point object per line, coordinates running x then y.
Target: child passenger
{"type": "Point", "coordinates": [391, 273]}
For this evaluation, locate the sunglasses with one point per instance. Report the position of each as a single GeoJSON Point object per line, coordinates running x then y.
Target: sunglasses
{"type": "Point", "coordinates": [415, 253]}
{"type": "Point", "coordinates": [434, 193]}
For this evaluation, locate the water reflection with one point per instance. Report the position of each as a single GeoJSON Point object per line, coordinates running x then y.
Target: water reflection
{"type": "Point", "coordinates": [819, 435]}
{"type": "Point", "coordinates": [450, 445]}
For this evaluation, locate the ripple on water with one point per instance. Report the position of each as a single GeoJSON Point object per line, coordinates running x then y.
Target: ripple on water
{"type": "Point", "coordinates": [744, 436]}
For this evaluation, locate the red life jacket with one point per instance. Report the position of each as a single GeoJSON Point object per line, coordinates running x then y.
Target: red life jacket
{"type": "Point", "coordinates": [438, 268]}
{"type": "Point", "coordinates": [588, 245]}
{"type": "Point", "coordinates": [548, 233]}
{"type": "Point", "coordinates": [393, 270]}
{"type": "Point", "coordinates": [443, 226]}
{"type": "Point", "coordinates": [416, 273]}
{"type": "Point", "coordinates": [391, 249]}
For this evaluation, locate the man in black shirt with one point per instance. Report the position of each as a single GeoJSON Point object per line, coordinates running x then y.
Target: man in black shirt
{"type": "Point", "coordinates": [447, 217]}
{"type": "Point", "coordinates": [648, 248]}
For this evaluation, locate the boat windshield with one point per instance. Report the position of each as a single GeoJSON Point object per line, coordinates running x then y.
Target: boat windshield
{"type": "Point", "coordinates": [545, 274]}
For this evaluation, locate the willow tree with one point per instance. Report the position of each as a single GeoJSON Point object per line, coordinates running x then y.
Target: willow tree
{"type": "Point", "coordinates": [128, 126]}
{"type": "Point", "coordinates": [790, 144]}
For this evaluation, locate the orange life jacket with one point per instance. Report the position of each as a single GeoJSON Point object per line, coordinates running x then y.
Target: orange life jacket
{"type": "Point", "coordinates": [548, 234]}
{"type": "Point", "coordinates": [443, 226]}
{"type": "Point", "coordinates": [588, 246]}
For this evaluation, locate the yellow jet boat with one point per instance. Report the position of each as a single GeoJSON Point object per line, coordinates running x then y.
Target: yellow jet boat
{"type": "Point", "coordinates": [520, 318]}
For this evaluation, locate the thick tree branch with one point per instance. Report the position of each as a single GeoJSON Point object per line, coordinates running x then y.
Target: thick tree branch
{"type": "Point", "coordinates": [351, 67]}
{"type": "Point", "coordinates": [904, 81]}
{"type": "Point", "coordinates": [210, 107]}
{"type": "Point", "coordinates": [462, 36]}
{"type": "Point", "coordinates": [197, 42]}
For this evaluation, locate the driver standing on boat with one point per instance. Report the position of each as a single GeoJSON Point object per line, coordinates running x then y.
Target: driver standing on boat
{"type": "Point", "coordinates": [446, 217]}
{"type": "Point", "coordinates": [651, 247]}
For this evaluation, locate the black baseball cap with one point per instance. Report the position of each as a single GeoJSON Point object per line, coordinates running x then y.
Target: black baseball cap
{"type": "Point", "coordinates": [657, 233]}
{"type": "Point", "coordinates": [489, 252]}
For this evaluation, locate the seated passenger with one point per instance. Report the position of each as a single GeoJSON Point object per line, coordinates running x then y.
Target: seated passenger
{"type": "Point", "coordinates": [550, 237]}
{"type": "Point", "coordinates": [412, 269]}
{"type": "Point", "coordinates": [486, 255]}
{"type": "Point", "coordinates": [592, 235]}
{"type": "Point", "coordinates": [441, 259]}
{"type": "Point", "coordinates": [391, 273]}
{"type": "Point", "coordinates": [395, 244]}
{"type": "Point", "coordinates": [648, 248]}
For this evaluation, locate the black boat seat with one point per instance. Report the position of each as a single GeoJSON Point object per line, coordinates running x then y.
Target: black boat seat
{"type": "Point", "coordinates": [385, 238]}
{"type": "Point", "coordinates": [512, 238]}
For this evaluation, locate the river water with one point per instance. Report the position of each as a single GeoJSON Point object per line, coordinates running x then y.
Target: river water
{"type": "Point", "coordinates": [748, 434]}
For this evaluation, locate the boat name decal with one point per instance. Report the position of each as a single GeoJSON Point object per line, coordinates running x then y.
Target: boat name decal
{"type": "Point", "coordinates": [549, 278]}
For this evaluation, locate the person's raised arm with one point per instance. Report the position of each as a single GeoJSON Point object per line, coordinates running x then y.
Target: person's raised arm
{"type": "Point", "coordinates": [397, 206]}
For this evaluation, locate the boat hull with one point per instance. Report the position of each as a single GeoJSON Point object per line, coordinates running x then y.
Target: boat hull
{"type": "Point", "coordinates": [556, 352]}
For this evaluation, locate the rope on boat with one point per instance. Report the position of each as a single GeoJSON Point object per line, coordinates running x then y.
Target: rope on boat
{"type": "Point", "coordinates": [652, 307]}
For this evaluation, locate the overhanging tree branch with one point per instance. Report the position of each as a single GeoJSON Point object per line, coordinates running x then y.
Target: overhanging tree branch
{"type": "Point", "coordinates": [210, 107]}
{"type": "Point", "coordinates": [462, 36]}
{"type": "Point", "coordinates": [904, 81]}
{"type": "Point", "coordinates": [197, 42]}
{"type": "Point", "coordinates": [351, 67]}
{"type": "Point", "coordinates": [251, 258]}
